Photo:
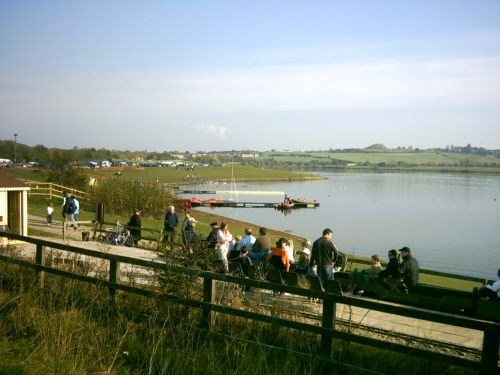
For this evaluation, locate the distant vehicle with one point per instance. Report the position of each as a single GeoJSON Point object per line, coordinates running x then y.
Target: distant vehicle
{"type": "Point", "coordinates": [91, 165]}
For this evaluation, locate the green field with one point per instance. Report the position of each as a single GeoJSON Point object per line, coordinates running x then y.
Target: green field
{"type": "Point", "coordinates": [390, 157]}
{"type": "Point", "coordinates": [180, 175]}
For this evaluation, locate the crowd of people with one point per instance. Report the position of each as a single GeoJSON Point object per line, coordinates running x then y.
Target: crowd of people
{"type": "Point", "coordinates": [320, 258]}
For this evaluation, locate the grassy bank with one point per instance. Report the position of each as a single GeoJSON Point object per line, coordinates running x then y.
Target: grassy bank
{"type": "Point", "coordinates": [69, 328]}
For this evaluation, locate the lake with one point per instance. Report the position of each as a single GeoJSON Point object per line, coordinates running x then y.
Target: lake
{"type": "Point", "coordinates": [451, 222]}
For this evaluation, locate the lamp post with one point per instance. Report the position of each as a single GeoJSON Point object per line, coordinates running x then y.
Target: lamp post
{"type": "Point", "coordinates": [15, 149]}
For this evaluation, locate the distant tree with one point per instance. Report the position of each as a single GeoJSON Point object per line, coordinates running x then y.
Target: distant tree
{"type": "Point", "coordinates": [376, 147]}
{"type": "Point", "coordinates": [63, 169]}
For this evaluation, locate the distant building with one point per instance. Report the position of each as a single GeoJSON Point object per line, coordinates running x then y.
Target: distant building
{"type": "Point", "coordinates": [13, 205]}
{"type": "Point", "coordinates": [247, 156]}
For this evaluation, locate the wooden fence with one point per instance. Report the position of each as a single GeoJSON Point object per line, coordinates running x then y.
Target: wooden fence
{"type": "Point", "coordinates": [53, 191]}
{"type": "Point", "coordinates": [488, 363]}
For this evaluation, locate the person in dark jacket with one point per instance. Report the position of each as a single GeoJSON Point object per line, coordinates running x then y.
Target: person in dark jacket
{"type": "Point", "coordinates": [134, 226]}
{"type": "Point", "coordinates": [212, 236]}
{"type": "Point", "coordinates": [392, 267]}
{"type": "Point", "coordinates": [408, 270]}
{"type": "Point", "coordinates": [324, 255]}
{"type": "Point", "coordinates": [170, 224]}
{"type": "Point", "coordinates": [389, 277]}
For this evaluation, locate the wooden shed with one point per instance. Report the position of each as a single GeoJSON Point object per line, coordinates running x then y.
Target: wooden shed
{"type": "Point", "coordinates": [13, 205]}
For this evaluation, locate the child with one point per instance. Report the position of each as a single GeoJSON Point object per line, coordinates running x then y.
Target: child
{"type": "Point", "coordinates": [50, 213]}
{"type": "Point", "coordinates": [376, 267]}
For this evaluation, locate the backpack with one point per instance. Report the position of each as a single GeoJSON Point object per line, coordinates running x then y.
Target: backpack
{"type": "Point", "coordinates": [70, 206]}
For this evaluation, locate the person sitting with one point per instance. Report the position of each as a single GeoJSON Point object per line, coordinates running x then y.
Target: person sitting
{"type": "Point", "coordinates": [408, 270]}
{"type": "Point", "coordinates": [234, 253]}
{"type": "Point", "coordinates": [304, 257]}
{"type": "Point", "coordinates": [290, 251]}
{"type": "Point", "coordinates": [390, 275]}
{"type": "Point", "coordinates": [233, 244]}
{"type": "Point", "coordinates": [248, 240]}
{"type": "Point", "coordinates": [246, 261]}
{"type": "Point", "coordinates": [369, 274]}
{"type": "Point", "coordinates": [279, 256]}
{"type": "Point", "coordinates": [261, 247]}
{"type": "Point", "coordinates": [491, 292]}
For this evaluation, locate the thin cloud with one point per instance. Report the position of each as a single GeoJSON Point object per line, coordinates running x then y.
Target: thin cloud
{"type": "Point", "coordinates": [219, 131]}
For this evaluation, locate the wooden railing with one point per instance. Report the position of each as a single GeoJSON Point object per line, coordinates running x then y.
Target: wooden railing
{"type": "Point", "coordinates": [54, 191]}
{"type": "Point", "coordinates": [491, 330]}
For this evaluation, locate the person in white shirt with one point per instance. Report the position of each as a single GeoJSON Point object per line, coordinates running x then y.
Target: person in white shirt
{"type": "Point", "coordinates": [50, 213]}
{"type": "Point", "coordinates": [77, 209]}
{"type": "Point", "coordinates": [224, 237]}
{"type": "Point", "coordinates": [491, 291]}
{"type": "Point", "coordinates": [290, 251]}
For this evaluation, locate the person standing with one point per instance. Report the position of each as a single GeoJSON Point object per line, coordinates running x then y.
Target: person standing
{"type": "Point", "coordinates": [68, 210]}
{"type": "Point", "coordinates": [190, 236]}
{"type": "Point", "coordinates": [170, 224]}
{"type": "Point", "coordinates": [50, 213]}
{"type": "Point", "coordinates": [324, 255]}
{"type": "Point", "coordinates": [224, 237]}
{"type": "Point", "coordinates": [77, 209]}
{"type": "Point", "coordinates": [63, 206]}
{"type": "Point", "coordinates": [211, 240]}
{"type": "Point", "coordinates": [134, 226]}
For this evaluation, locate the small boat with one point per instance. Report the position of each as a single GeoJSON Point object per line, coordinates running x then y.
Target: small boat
{"type": "Point", "coordinates": [190, 202]}
{"type": "Point", "coordinates": [291, 203]}
{"type": "Point", "coordinates": [213, 202]}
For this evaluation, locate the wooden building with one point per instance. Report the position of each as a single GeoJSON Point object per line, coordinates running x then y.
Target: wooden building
{"type": "Point", "coordinates": [13, 205]}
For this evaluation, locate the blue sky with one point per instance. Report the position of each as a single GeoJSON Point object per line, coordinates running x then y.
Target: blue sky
{"type": "Point", "coordinates": [219, 75]}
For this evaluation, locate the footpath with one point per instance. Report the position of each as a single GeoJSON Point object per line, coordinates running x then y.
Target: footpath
{"type": "Point", "coordinates": [463, 337]}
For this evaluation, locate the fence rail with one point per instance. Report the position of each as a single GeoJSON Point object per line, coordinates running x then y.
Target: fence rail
{"type": "Point", "coordinates": [491, 330]}
{"type": "Point", "coordinates": [51, 190]}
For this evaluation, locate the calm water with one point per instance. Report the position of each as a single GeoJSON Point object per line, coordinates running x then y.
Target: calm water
{"type": "Point", "coordinates": [450, 221]}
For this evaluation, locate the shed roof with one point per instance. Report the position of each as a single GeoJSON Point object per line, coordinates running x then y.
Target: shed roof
{"type": "Point", "coordinates": [11, 183]}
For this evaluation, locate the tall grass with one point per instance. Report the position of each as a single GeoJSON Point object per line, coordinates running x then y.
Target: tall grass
{"type": "Point", "coordinates": [69, 327]}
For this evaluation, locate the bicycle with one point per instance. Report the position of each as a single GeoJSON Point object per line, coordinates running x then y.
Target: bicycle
{"type": "Point", "coordinates": [120, 236]}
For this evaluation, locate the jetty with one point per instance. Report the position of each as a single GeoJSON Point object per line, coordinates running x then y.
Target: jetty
{"type": "Point", "coordinates": [233, 192]}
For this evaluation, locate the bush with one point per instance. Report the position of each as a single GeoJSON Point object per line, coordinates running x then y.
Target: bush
{"type": "Point", "coordinates": [121, 196]}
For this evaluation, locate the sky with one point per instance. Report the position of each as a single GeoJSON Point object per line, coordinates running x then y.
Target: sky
{"type": "Point", "coordinates": [261, 75]}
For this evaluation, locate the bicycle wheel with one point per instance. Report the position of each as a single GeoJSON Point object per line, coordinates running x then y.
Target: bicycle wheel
{"type": "Point", "coordinates": [129, 241]}
{"type": "Point", "coordinates": [120, 239]}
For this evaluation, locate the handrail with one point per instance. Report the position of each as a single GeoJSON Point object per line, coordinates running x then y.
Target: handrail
{"type": "Point", "coordinates": [52, 190]}
{"type": "Point", "coordinates": [491, 330]}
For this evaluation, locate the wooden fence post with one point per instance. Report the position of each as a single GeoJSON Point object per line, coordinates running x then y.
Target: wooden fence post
{"type": "Point", "coordinates": [207, 316]}
{"type": "Point", "coordinates": [489, 357]}
{"type": "Point", "coordinates": [327, 321]}
{"type": "Point", "coordinates": [40, 260]}
{"type": "Point", "coordinates": [114, 276]}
